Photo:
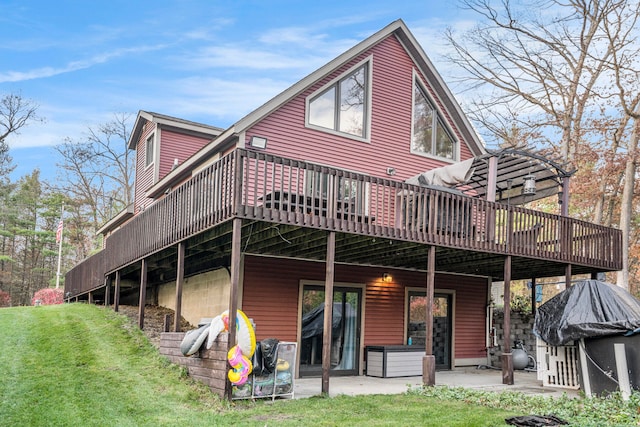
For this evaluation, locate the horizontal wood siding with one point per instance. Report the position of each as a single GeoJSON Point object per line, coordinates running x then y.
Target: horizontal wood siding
{"type": "Point", "coordinates": [390, 140]}
{"type": "Point", "coordinates": [144, 176]}
{"type": "Point", "coordinates": [174, 145]}
{"type": "Point", "coordinates": [270, 298]}
{"type": "Point", "coordinates": [270, 295]}
{"type": "Point", "coordinates": [470, 313]}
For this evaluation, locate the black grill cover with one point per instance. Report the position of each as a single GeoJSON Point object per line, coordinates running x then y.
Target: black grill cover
{"type": "Point", "coordinates": [587, 309]}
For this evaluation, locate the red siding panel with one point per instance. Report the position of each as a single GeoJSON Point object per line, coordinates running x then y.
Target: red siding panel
{"type": "Point", "coordinates": [174, 145]}
{"type": "Point", "coordinates": [271, 287]}
{"type": "Point", "coordinates": [144, 176]}
{"type": "Point", "coordinates": [390, 139]}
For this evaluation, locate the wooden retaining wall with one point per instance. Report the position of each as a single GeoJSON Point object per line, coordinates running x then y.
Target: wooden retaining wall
{"type": "Point", "coordinates": [208, 366]}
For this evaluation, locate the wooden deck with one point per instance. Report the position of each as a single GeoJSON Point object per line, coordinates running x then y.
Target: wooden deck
{"type": "Point", "coordinates": [287, 207]}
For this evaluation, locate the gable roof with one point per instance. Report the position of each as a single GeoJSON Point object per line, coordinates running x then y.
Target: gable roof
{"type": "Point", "coordinates": [397, 28]}
{"type": "Point", "coordinates": [163, 119]}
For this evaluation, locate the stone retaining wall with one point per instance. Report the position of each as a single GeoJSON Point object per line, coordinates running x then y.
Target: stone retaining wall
{"type": "Point", "coordinates": [521, 329]}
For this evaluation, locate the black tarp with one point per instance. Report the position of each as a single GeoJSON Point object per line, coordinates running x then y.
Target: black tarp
{"type": "Point", "coordinates": [585, 310]}
{"type": "Point", "coordinates": [313, 321]}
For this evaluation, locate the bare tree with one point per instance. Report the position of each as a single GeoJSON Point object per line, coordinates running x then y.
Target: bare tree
{"type": "Point", "coordinates": [545, 67]}
{"type": "Point", "coordinates": [98, 176]}
{"type": "Point", "coordinates": [621, 26]}
{"type": "Point", "coordinates": [15, 113]}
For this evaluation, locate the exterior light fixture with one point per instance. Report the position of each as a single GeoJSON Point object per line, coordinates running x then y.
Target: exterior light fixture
{"type": "Point", "coordinates": [529, 185]}
{"type": "Point", "coordinates": [386, 277]}
{"type": "Point", "coordinates": [258, 142]}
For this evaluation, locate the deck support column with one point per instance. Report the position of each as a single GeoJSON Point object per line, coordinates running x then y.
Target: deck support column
{"type": "Point", "coordinates": [116, 293]}
{"type": "Point", "coordinates": [179, 281]}
{"type": "Point", "coordinates": [507, 356]}
{"type": "Point", "coordinates": [90, 298]}
{"type": "Point", "coordinates": [328, 310]}
{"type": "Point", "coordinates": [533, 296]}
{"type": "Point", "coordinates": [429, 360]}
{"type": "Point", "coordinates": [236, 254]}
{"type": "Point", "coordinates": [107, 291]}
{"type": "Point", "coordinates": [567, 276]}
{"type": "Point", "coordinates": [143, 293]}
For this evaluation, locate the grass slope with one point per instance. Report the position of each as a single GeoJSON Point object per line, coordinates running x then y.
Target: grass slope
{"type": "Point", "coordinates": [78, 364]}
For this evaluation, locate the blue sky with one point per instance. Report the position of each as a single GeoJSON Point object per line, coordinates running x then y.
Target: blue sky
{"type": "Point", "coordinates": [206, 61]}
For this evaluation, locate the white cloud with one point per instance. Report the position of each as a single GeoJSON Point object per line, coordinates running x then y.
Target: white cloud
{"type": "Point", "coordinates": [43, 72]}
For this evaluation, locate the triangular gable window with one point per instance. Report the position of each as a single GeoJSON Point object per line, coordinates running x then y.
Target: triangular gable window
{"type": "Point", "coordinates": [430, 134]}
{"type": "Point", "coordinates": [342, 106]}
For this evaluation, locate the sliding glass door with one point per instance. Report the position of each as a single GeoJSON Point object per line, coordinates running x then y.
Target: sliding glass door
{"type": "Point", "coordinates": [345, 335]}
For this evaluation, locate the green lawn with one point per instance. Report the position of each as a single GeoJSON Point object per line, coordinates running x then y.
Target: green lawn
{"type": "Point", "coordinates": [82, 365]}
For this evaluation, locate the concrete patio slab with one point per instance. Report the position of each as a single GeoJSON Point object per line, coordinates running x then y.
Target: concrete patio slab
{"type": "Point", "coordinates": [479, 379]}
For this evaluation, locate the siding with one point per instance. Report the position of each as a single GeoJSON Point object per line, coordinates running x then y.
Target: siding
{"type": "Point", "coordinates": [271, 287]}
{"type": "Point", "coordinates": [179, 146]}
{"type": "Point", "coordinates": [390, 139]}
{"type": "Point", "coordinates": [144, 176]}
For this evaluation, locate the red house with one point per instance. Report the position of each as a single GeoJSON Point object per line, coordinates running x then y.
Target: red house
{"type": "Point", "coordinates": [362, 188]}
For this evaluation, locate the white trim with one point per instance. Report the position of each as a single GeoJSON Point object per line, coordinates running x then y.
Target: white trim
{"type": "Point", "coordinates": [367, 110]}
{"type": "Point", "coordinates": [152, 137]}
{"type": "Point", "coordinates": [438, 118]}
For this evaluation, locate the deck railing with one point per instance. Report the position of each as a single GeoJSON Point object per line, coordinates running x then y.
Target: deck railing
{"type": "Point", "coordinates": [259, 186]}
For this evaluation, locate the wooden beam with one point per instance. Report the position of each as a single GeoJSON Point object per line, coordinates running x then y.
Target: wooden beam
{"type": "Point", "coordinates": [179, 281]}
{"type": "Point", "coordinates": [567, 276]}
{"type": "Point", "coordinates": [429, 360]}
{"type": "Point", "coordinates": [507, 357]}
{"type": "Point", "coordinates": [236, 254]}
{"type": "Point", "coordinates": [143, 293]}
{"type": "Point", "coordinates": [116, 293]}
{"type": "Point", "coordinates": [328, 310]}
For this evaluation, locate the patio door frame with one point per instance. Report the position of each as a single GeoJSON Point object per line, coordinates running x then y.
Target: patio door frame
{"type": "Point", "coordinates": [337, 287]}
{"type": "Point", "coordinates": [451, 295]}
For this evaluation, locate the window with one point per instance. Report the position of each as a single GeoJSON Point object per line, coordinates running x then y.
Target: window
{"type": "Point", "coordinates": [343, 106]}
{"type": "Point", "coordinates": [149, 151]}
{"type": "Point", "coordinates": [430, 135]}
{"type": "Point", "coordinates": [353, 195]}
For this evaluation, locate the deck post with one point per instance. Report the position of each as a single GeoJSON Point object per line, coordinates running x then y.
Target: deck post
{"type": "Point", "coordinates": [533, 296]}
{"type": "Point", "coordinates": [107, 291]}
{"type": "Point", "coordinates": [236, 254]}
{"type": "Point", "coordinates": [429, 360]}
{"type": "Point", "coordinates": [179, 280]}
{"type": "Point", "coordinates": [328, 311]}
{"type": "Point", "coordinates": [143, 293]}
{"type": "Point", "coordinates": [567, 276]}
{"type": "Point", "coordinates": [564, 197]}
{"type": "Point", "coordinates": [507, 356]}
{"type": "Point", "coordinates": [116, 293]}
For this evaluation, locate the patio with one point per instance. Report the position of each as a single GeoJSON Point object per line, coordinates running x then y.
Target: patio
{"type": "Point", "coordinates": [468, 377]}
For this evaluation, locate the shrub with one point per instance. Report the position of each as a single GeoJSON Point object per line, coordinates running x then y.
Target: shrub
{"type": "Point", "coordinates": [5, 299]}
{"type": "Point", "coordinates": [48, 296]}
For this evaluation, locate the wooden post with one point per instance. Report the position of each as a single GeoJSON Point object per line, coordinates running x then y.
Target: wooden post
{"type": "Point", "coordinates": [507, 356]}
{"type": "Point", "coordinates": [567, 276]}
{"type": "Point", "coordinates": [116, 293]}
{"type": "Point", "coordinates": [328, 311]}
{"type": "Point", "coordinates": [533, 296]}
{"type": "Point", "coordinates": [143, 293]}
{"type": "Point", "coordinates": [90, 298]}
{"type": "Point", "coordinates": [107, 291]}
{"type": "Point", "coordinates": [564, 208]}
{"type": "Point", "coordinates": [236, 254]}
{"type": "Point", "coordinates": [429, 360]}
{"type": "Point", "coordinates": [179, 280]}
